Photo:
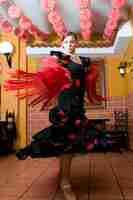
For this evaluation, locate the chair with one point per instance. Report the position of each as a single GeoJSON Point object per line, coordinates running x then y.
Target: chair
{"type": "Point", "coordinates": [119, 133]}
{"type": "Point", "coordinates": [7, 133]}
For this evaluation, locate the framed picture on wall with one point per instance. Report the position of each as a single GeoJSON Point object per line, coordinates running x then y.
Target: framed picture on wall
{"type": "Point", "coordinates": [100, 86]}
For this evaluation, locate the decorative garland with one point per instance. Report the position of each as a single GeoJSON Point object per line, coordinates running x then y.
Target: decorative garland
{"type": "Point", "coordinates": [113, 18]}
{"type": "Point", "coordinates": [85, 19]}
{"type": "Point", "coordinates": [57, 22]}
{"type": "Point", "coordinates": [3, 1]}
{"type": "Point", "coordinates": [5, 25]}
{"type": "Point", "coordinates": [14, 12]}
{"type": "Point", "coordinates": [55, 19]}
{"type": "Point", "coordinates": [25, 28]}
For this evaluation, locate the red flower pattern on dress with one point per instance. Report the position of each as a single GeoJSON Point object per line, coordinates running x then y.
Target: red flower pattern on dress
{"type": "Point", "coordinates": [61, 114]}
{"type": "Point", "coordinates": [77, 122]}
{"type": "Point", "coordinates": [89, 146]}
{"type": "Point", "coordinates": [72, 136]}
{"type": "Point", "coordinates": [77, 83]}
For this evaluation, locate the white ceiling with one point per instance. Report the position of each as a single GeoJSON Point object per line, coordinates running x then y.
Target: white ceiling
{"type": "Point", "coordinates": [70, 12]}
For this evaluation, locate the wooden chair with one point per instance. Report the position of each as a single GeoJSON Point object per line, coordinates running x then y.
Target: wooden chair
{"type": "Point", "coordinates": [7, 133]}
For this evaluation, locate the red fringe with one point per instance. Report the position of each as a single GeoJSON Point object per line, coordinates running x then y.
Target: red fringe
{"type": "Point", "coordinates": [48, 82]}
{"type": "Point", "coordinates": [45, 84]}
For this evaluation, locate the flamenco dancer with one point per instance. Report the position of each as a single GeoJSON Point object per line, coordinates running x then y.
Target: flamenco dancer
{"type": "Point", "coordinates": [66, 76]}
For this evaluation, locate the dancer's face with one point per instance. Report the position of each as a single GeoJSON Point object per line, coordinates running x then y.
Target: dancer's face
{"type": "Point", "coordinates": [69, 44]}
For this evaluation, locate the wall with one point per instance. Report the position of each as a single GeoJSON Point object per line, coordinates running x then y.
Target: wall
{"type": "Point", "coordinates": [128, 56]}
{"type": "Point", "coordinates": [116, 92]}
{"type": "Point", "coordinates": [116, 84]}
{"type": "Point", "coordinates": [8, 100]}
{"type": "Point", "coordinates": [119, 91]}
{"type": "Point", "coordinates": [130, 97]}
{"type": "Point", "coordinates": [36, 119]}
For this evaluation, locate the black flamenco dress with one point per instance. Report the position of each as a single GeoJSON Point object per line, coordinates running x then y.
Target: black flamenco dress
{"type": "Point", "coordinates": [70, 131]}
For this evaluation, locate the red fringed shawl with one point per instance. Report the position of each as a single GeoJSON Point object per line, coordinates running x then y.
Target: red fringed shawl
{"type": "Point", "coordinates": [48, 82]}
{"type": "Point", "coordinates": [45, 84]}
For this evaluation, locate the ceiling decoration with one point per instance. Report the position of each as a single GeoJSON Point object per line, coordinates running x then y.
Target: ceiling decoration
{"type": "Point", "coordinates": [55, 18]}
{"type": "Point", "coordinates": [113, 17]}
{"type": "Point", "coordinates": [85, 19]}
{"type": "Point", "coordinates": [46, 22]}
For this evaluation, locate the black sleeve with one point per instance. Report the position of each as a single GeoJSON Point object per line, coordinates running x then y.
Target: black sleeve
{"type": "Point", "coordinates": [56, 53]}
{"type": "Point", "coordinates": [85, 61]}
{"type": "Point", "coordinates": [62, 58]}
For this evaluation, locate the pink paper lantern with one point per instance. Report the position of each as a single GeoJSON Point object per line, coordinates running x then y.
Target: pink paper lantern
{"type": "Point", "coordinates": [89, 25]}
{"type": "Point", "coordinates": [84, 2]}
{"type": "Point", "coordinates": [14, 12]}
{"type": "Point", "coordinates": [6, 26]}
{"type": "Point", "coordinates": [44, 4]}
{"type": "Point", "coordinates": [86, 35]}
{"type": "Point", "coordinates": [88, 14]}
{"type": "Point", "coordinates": [52, 4]}
{"type": "Point", "coordinates": [85, 16]}
{"type": "Point", "coordinates": [3, 1]}
{"type": "Point", "coordinates": [85, 19]}
{"type": "Point", "coordinates": [118, 3]}
{"type": "Point", "coordinates": [25, 35]}
{"type": "Point", "coordinates": [82, 17]}
{"type": "Point", "coordinates": [83, 12]}
{"type": "Point", "coordinates": [57, 22]}
{"type": "Point", "coordinates": [114, 14]}
{"type": "Point", "coordinates": [83, 25]}
{"type": "Point", "coordinates": [108, 34]}
{"type": "Point", "coordinates": [33, 29]}
{"type": "Point", "coordinates": [57, 18]}
{"type": "Point", "coordinates": [25, 23]}
{"type": "Point", "coordinates": [51, 16]}
{"type": "Point", "coordinates": [59, 29]}
{"type": "Point", "coordinates": [112, 23]}
{"type": "Point", "coordinates": [19, 32]}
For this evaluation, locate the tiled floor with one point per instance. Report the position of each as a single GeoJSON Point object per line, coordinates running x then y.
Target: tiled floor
{"type": "Point", "coordinates": [94, 177]}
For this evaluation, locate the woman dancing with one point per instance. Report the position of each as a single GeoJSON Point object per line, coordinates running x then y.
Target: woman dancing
{"type": "Point", "coordinates": [66, 76]}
